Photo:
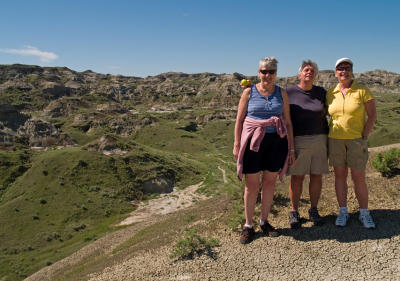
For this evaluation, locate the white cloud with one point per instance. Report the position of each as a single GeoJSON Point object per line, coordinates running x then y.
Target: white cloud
{"type": "Point", "coordinates": [31, 51]}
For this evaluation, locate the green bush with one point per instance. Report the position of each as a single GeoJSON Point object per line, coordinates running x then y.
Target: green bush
{"type": "Point", "coordinates": [192, 243]}
{"type": "Point", "coordinates": [387, 163]}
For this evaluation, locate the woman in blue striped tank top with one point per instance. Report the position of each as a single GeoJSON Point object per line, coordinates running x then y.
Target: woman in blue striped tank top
{"type": "Point", "coordinates": [263, 105]}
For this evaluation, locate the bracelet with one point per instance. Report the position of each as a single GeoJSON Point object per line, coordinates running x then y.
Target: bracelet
{"type": "Point", "coordinates": [291, 150]}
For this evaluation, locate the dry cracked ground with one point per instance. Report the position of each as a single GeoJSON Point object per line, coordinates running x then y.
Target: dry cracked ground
{"type": "Point", "coordinates": [311, 253]}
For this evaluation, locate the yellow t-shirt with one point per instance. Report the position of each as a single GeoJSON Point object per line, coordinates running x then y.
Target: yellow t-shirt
{"type": "Point", "coordinates": [347, 113]}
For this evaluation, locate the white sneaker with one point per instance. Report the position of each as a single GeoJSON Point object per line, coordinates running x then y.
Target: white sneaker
{"type": "Point", "coordinates": [342, 219]}
{"type": "Point", "coordinates": [366, 220]}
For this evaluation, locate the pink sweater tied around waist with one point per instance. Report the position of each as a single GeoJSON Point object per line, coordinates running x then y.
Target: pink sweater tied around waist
{"type": "Point", "coordinates": [256, 129]}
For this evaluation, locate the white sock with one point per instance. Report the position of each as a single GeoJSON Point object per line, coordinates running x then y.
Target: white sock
{"type": "Point", "coordinates": [343, 210]}
{"type": "Point", "coordinates": [364, 212]}
{"type": "Point", "coordinates": [248, 226]}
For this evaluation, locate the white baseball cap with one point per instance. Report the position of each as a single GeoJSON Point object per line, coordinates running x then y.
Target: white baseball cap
{"type": "Point", "coordinates": [339, 61]}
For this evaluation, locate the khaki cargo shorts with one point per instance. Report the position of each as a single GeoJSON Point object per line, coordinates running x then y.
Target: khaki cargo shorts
{"type": "Point", "coordinates": [352, 153]}
{"type": "Point", "coordinates": [311, 155]}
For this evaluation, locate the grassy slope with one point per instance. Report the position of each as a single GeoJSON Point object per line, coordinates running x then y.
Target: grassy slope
{"type": "Point", "coordinates": [12, 165]}
{"type": "Point", "coordinates": [386, 129]}
{"type": "Point", "coordinates": [210, 145]}
{"type": "Point", "coordinates": [71, 196]}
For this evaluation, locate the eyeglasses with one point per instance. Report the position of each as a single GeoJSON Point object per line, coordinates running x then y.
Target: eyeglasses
{"type": "Point", "coordinates": [269, 71]}
{"type": "Point", "coordinates": [342, 68]}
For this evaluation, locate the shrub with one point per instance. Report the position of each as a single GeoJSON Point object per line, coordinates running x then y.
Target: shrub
{"type": "Point", "coordinates": [131, 192]}
{"type": "Point", "coordinates": [387, 163]}
{"type": "Point", "coordinates": [192, 243]}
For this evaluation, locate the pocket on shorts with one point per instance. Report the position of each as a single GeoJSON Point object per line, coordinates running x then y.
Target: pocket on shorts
{"type": "Point", "coordinates": [363, 143]}
{"type": "Point", "coordinates": [358, 155]}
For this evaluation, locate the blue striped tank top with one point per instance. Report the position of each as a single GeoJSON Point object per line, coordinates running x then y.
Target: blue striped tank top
{"type": "Point", "coordinates": [261, 107]}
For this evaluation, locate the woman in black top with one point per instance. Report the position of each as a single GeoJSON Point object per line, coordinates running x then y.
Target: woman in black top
{"type": "Point", "coordinates": [310, 129]}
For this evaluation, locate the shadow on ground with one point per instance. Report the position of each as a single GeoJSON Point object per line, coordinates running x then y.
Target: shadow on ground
{"type": "Point", "coordinates": [391, 174]}
{"type": "Point", "coordinates": [387, 226]}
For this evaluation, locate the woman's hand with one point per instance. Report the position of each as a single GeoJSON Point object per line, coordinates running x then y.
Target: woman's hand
{"type": "Point", "coordinates": [236, 149]}
{"type": "Point", "coordinates": [292, 157]}
{"type": "Point", "coordinates": [289, 128]}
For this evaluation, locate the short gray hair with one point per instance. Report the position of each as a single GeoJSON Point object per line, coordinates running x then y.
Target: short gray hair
{"type": "Point", "coordinates": [268, 62]}
{"type": "Point", "coordinates": [305, 63]}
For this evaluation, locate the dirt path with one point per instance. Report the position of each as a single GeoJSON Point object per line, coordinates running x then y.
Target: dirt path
{"type": "Point", "coordinates": [223, 174]}
{"type": "Point", "coordinates": [167, 203]}
{"type": "Point", "coordinates": [384, 147]}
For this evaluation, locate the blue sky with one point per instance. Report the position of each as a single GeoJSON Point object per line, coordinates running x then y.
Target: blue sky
{"type": "Point", "coordinates": [141, 38]}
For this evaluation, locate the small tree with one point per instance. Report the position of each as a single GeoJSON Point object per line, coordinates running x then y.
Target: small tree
{"type": "Point", "coordinates": [387, 163]}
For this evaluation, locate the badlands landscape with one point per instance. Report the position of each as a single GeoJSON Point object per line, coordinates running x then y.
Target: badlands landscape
{"type": "Point", "coordinates": [101, 174]}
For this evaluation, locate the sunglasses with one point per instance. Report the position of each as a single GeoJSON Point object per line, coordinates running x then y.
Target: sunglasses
{"type": "Point", "coordinates": [342, 68]}
{"type": "Point", "coordinates": [269, 71]}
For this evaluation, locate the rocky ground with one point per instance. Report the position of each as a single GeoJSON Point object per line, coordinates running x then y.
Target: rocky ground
{"type": "Point", "coordinates": [327, 253]}
{"type": "Point", "coordinates": [311, 253]}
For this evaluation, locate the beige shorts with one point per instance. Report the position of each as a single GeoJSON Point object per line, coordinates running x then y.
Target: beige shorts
{"type": "Point", "coordinates": [311, 155]}
{"type": "Point", "coordinates": [352, 153]}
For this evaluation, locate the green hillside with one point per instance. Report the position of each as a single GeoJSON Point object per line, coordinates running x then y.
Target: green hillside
{"type": "Point", "coordinates": [386, 129]}
{"type": "Point", "coordinates": [69, 197]}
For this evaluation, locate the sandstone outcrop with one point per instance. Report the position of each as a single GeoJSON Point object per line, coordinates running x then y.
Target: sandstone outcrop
{"type": "Point", "coordinates": [58, 96]}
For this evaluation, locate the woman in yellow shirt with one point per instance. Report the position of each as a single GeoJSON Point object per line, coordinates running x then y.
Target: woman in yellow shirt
{"type": "Point", "coordinates": [353, 115]}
